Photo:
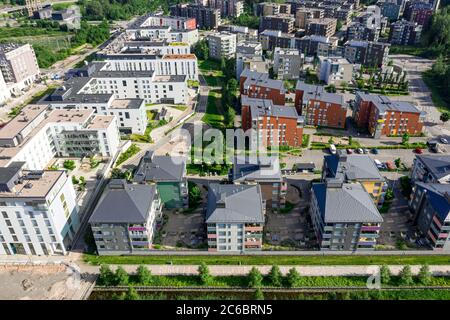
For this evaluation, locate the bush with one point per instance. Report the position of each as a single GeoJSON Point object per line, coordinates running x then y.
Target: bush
{"type": "Point", "coordinates": [275, 276]}
{"type": "Point", "coordinates": [205, 276]}
{"type": "Point", "coordinates": [131, 151]}
{"type": "Point", "coordinates": [106, 277]}
{"type": "Point", "coordinates": [255, 278]}
{"type": "Point", "coordinates": [259, 295]}
{"type": "Point", "coordinates": [69, 164]}
{"type": "Point", "coordinates": [385, 274]}
{"type": "Point", "coordinates": [425, 275]}
{"type": "Point", "coordinates": [406, 277]}
{"type": "Point", "coordinates": [132, 294]}
{"type": "Point", "coordinates": [121, 277]}
{"type": "Point", "coordinates": [144, 275]}
{"type": "Point", "coordinates": [293, 278]}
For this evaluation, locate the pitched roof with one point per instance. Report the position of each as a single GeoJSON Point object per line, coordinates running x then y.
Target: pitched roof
{"type": "Point", "coordinates": [262, 107]}
{"type": "Point", "coordinates": [124, 203]}
{"type": "Point", "coordinates": [160, 168]}
{"type": "Point", "coordinates": [439, 166]}
{"type": "Point", "coordinates": [229, 203]}
{"type": "Point", "coordinates": [348, 202]}
{"type": "Point", "coordinates": [316, 92]}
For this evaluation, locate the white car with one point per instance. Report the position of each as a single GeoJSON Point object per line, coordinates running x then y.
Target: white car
{"type": "Point", "coordinates": [443, 140]}
{"type": "Point", "coordinates": [332, 149]}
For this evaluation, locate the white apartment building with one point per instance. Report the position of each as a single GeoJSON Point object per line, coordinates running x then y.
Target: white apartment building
{"type": "Point", "coordinates": [335, 70]}
{"type": "Point", "coordinates": [222, 45]}
{"type": "Point", "coordinates": [287, 63]}
{"type": "Point", "coordinates": [18, 69]}
{"type": "Point", "coordinates": [37, 135]}
{"type": "Point", "coordinates": [38, 211]}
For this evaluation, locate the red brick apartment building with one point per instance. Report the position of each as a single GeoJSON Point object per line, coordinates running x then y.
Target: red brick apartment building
{"type": "Point", "coordinates": [318, 107]}
{"type": "Point", "coordinates": [282, 124]}
{"type": "Point", "coordinates": [382, 116]}
{"type": "Point", "coordinates": [258, 85]}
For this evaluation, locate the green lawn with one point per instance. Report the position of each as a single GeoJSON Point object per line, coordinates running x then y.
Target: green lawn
{"type": "Point", "coordinates": [211, 72]}
{"type": "Point", "coordinates": [436, 89]}
{"type": "Point", "coordinates": [213, 115]}
{"type": "Point", "coordinates": [270, 260]}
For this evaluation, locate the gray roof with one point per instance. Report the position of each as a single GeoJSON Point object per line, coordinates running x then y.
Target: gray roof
{"type": "Point", "coordinates": [348, 202]}
{"type": "Point", "coordinates": [383, 103]}
{"type": "Point", "coordinates": [124, 203]}
{"type": "Point", "coordinates": [11, 171]}
{"type": "Point", "coordinates": [438, 196]}
{"type": "Point", "coordinates": [352, 167]}
{"type": "Point", "coordinates": [438, 166]}
{"type": "Point", "coordinates": [315, 92]}
{"type": "Point", "coordinates": [261, 79]}
{"type": "Point", "coordinates": [160, 168]}
{"type": "Point", "coordinates": [261, 107]}
{"type": "Point", "coordinates": [259, 169]}
{"type": "Point", "coordinates": [229, 203]}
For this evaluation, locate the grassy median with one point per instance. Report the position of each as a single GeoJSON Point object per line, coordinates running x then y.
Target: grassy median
{"type": "Point", "coordinates": [270, 260]}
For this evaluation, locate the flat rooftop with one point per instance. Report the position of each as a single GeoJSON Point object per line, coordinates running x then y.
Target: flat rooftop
{"type": "Point", "coordinates": [22, 120]}
{"type": "Point", "coordinates": [127, 103]}
{"type": "Point", "coordinates": [100, 122]}
{"type": "Point", "coordinates": [179, 56]}
{"type": "Point", "coordinates": [34, 185]}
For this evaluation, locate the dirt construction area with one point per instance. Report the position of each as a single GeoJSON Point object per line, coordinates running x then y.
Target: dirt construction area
{"type": "Point", "coordinates": [41, 282]}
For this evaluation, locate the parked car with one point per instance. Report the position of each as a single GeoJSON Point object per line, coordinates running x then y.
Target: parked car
{"type": "Point", "coordinates": [375, 151]}
{"type": "Point", "coordinates": [379, 164]}
{"type": "Point", "coordinates": [332, 149]}
{"type": "Point", "coordinates": [366, 151]}
{"type": "Point", "coordinates": [444, 141]}
{"type": "Point", "coordinates": [390, 165]}
{"type": "Point", "coordinates": [349, 151]}
{"type": "Point", "coordinates": [418, 151]}
{"type": "Point", "coordinates": [360, 151]}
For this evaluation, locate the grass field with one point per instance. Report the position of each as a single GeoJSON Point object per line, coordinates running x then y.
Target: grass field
{"type": "Point", "coordinates": [214, 115]}
{"type": "Point", "coordinates": [270, 260]}
{"type": "Point", "coordinates": [436, 88]}
{"type": "Point", "coordinates": [211, 72]}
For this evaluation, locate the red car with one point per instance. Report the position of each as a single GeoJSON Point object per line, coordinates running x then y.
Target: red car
{"type": "Point", "coordinates": [390, 165]}
{"type": "Point", "coordinates": [418, 150]}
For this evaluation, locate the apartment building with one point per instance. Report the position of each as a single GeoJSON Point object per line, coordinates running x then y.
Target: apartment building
{"type": "Point", "coordinates": [361, 32]}
{"type": "Point", "coordinates": [383, 116]}
{"type": "Point", "coordinates": [178, 22]}
{"type": "Point", "coordinates": [124, 220]}
{"type": "Point", "coordinates": [206, 18]}
{"type": "Point", "coordinates": [287, 63]}
{"type": "Point", "coordinates": [335, 70]}
{"type": "Point", "coordinates": [280, 22]}
{"type": "Point", "coordinates": [249, 47]}
{"type": "Point", "coordinates": [18, 69]}
{"type": "Point", "coordinates": [271, 9]}
{"type": "Point", "coordinates": [39, 214]}
{"type": "Point", "coordinates": [256, 63]}
{"type": "Point", "coordinates": [430, 205]}
{"type": "Point", "coordinates": [325, 27]}
{"type": "Point", "coordinates": [317, 45]}
{"type": "Point", "coordinates": [276, 125]}
{"type": "Point", "coordinates": [222, 45]}
{"type": "Point", "coordinates": [228, 8]}
{"type": "Point", "coordinates": [262, 171]}
{"type": "Point", "coordinates": [302, 15]}
{"type": "Point", "coordinates": [234, 218]}
{"type": "Point", "coordinates": [391, 9]}
{"type": "Point", "coordinates": [356, 168]}
{"type": "Point", "coordinates": [366, 52]}
{"type": "Point", "coordinates": [270, 39]}
{"type": "Point", "coordinates": [242, 33]}
{"type": "Point", "coordinates": [418, 11]}
{"type": "Point", "coordinates": [431, 169]}
{"type": "Point", "coordinates": [344, 216]}
{"type": "Point", "coordinates": [258, 85]}
{"type": "Point", "coordinates": [168, 173]}
{"type": "Point", "coordinates": [38, 134]}
{"type": "Point", "coordinates": [320, 108]}
{"type": "Point", "coordinates": [405, 33]}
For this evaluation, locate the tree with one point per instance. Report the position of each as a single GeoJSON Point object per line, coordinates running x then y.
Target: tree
{"type": "Point", "coordinates": [293, 277]}
{"type": "Point", "coordinates": [425, 275]}
{"type": "Point", "coordinates": [144, 275]}
{"type": "Point", "coordinates": [255, 278]}
{"type": "Point", "coordinates": [445, 116]}
{"type": "Point", "coordinates": [106, 276]}
{"type": "Point", "coordinates": [132, 294]}
{"type": "Point", "coordinates": [398, 162]}
{"type": "Point", "coordinates": [232, 87]}
{"type": "Point", "coordinates": [385, 274]}
{"type": "Point", "coordinates": [405, 138]}
{"type": "Point", "coordinates": [201, 50]}
{"type": "Point", "coordinates": [121, 277]}
{"type": "Point", "coordinates": [275, 276]}
{"type": "Point", "coordinates": [223, 64]}
{"type": "Point", "coordinates": [350, 140]}
{"type": "Point", "coordinates": [229, 116]}
{"type": "Point", "coordinates": [405, 275]}
{"type": "Point", "coordinates": [203, 272]}
{"type": "Point", "coordinates": [338, 25]}
{"type": "Point", "coordinates": [259, 295]}
{"type": "Point", "coordinates": [69, 164]}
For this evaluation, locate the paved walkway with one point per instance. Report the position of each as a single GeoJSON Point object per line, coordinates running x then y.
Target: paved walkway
{"type": "Point", "coordinates": [223, 270]}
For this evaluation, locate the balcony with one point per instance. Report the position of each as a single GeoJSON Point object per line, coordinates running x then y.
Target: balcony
{"type": "Point", "coordinates": [253, 229]}
{"type": "Point", "coordinates": [212, 236]}
{"type": "Point", "coordinates": [137, 229]}
{"type": "Point", "coordinates": [367, 228]}
{"type": "Point", "coordinates": [253, 243]}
